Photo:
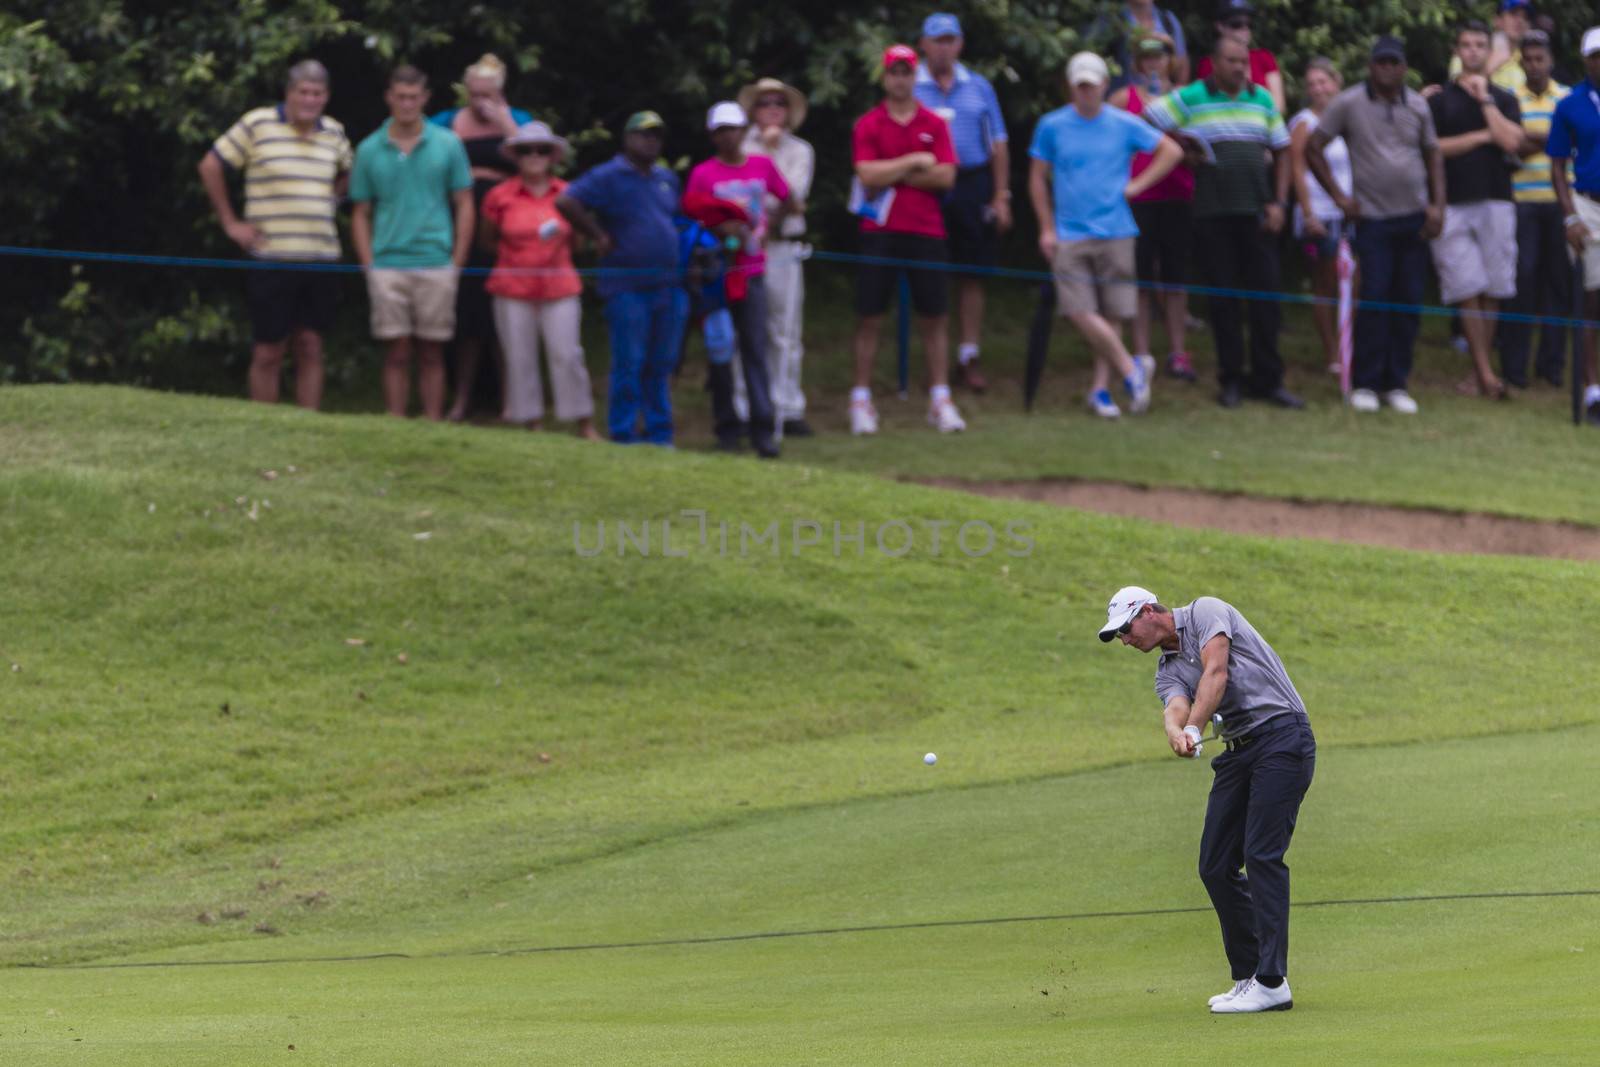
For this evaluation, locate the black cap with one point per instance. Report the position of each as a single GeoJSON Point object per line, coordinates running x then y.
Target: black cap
{"type": "Point", "coordinates": [1387, 47]}
{"type": "Point", "coordinates": [1229, 8]}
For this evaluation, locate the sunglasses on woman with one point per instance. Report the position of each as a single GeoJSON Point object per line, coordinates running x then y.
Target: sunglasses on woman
{"type": "Point", "coordinates": [534, 150]}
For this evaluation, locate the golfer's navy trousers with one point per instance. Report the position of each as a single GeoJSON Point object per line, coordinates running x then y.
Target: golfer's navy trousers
{"type": "Point", "coordinates": [1255, 797]}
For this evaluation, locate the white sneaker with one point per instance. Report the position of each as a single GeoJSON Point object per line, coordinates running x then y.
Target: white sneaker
{"type": "Point", "coordinates": [863, 418]}
{"type": "Point", "coordinates": [1220, 997]}
{"type": "Point", "coordinates": [1363, 400]}
{"type": "Point", "coordinates": [1101, 404]}
{"type": "Point", "coordinates": [1401, 401]}
{"type": "Point", "coordinates": [945, 416]}
{"type": "Point", "coordinates": [1255, 997]}
{"type": "Point", "coordinates": [1139, 402]}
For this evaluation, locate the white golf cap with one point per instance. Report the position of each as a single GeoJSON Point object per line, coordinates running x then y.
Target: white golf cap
{"type": "Point", "coordinates": [1125, 603]}
{"type": "Point", "coordinates": [1591, 40]}
{"type": "Point", "coordinates": [726, 113]}
{"type": "Point", "coordinates": [1087, 68]}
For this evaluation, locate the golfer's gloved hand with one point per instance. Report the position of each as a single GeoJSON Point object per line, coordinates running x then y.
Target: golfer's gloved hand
{"type": "Point", "coordinates": [1193, 734]}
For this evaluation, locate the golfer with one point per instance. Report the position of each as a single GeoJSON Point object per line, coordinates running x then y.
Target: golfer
{"type": "Point", "coordinates": [1212, 660]}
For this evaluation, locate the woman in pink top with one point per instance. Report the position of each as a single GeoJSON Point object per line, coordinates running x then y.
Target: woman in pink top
{"type": "Point", "coordinates": [1165, 216]}
{"type": "Point", "coordinates": [534, 285]}
{"type": "Point", "coordinates": [747, 180]}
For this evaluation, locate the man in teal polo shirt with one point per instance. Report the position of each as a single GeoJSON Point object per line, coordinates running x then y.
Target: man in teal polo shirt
{"type": "Point", "coordinates": [412, 228]}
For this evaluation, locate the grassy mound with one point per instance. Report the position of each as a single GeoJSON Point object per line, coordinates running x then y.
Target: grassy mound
{"type": "Point", "coordinates": [248, 692]}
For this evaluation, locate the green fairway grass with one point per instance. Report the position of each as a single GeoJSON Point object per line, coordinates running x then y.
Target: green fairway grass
{"type": "Point", "coordinates": [1489, 980]}
{"type": "Point", "coordinates": [209, 716]}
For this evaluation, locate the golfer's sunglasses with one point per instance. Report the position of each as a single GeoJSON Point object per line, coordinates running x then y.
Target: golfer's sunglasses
{"type": "Point", "coordinates": [1127, 626]}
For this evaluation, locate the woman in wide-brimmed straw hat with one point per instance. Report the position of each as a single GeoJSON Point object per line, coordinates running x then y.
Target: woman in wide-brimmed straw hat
{"type": "Point", "coordinates": [776, 110]}
{"type": "Point", "coordinates": [534, 285]}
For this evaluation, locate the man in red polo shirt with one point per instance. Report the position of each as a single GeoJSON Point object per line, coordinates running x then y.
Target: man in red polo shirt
{"type": "Point", "coordinates": [904, 163]}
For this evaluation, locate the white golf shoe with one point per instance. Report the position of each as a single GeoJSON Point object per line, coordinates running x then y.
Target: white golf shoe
{"type": "Point", "coordinates": [1255, 997]}
{"type": "Point", "coordinates": [1363, 400]}
{"type": "Point", "coordinates": [1220, 997]}
{"type": "Point", "coordinates": [945, 418]}
{"type": "Point", "coordinates": [1401, 401]}
{"type": "Point", "coordinates": [863, 418]}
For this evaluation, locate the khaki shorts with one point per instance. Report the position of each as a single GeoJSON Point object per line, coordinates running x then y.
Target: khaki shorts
{"type": "Point", "coordinates": [1096, 275]}
{"type": "Point", "coordinates": [1476, 252]}
{"type": "Point", "coordinates": [413, 303]}
{"type": "Point", "coordinates": [1589, 212]}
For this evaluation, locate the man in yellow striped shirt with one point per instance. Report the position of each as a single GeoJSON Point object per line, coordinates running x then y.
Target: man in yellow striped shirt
{"type": "Point", "coordinates": [296, 163]}
{"type": "Point", "coordinates": [1544, 277]}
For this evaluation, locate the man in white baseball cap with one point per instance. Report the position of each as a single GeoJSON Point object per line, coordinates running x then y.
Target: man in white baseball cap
{"type": "Point", "coordinates": [1214, 662]}
{"type": "Point", "coordinates": [750, 181]}
{"type": "Point", "coordinates": [1078, 181]}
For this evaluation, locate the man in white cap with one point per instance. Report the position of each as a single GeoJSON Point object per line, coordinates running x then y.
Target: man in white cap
{"type": "Point", "coordinates": [749, 181]}
{"type": "Point", "coordinates": [1214, 662]}
{"type": "Point", "coordinates": [1575, 135]}
{"type": "Point", "coordinates": [1078, 181]}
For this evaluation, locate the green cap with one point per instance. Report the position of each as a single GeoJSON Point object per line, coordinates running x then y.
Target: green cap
{"type": "Point", "coordinates": [643, 120]}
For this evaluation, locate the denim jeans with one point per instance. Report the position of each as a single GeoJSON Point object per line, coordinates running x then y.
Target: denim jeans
{"type": "Point", "coordinates": [1394, 264]}
{"type": "Point", "coordinates": [646, 330]}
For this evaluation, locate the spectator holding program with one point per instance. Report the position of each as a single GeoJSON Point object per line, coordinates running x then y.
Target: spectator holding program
{"type": "Point", "coordinates": [904, 164]}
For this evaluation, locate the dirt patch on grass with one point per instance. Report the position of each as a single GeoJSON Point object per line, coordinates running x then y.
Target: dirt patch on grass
{"type": "Point", "coordinates": [1362, 524]}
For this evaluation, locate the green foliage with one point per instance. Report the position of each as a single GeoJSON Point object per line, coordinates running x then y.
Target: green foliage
{"type": "Point", "coordinates": [125, 96]}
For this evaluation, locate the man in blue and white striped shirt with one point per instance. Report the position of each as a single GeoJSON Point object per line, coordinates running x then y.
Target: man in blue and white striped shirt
{"type": "Point", "coordinates": [979, 207]}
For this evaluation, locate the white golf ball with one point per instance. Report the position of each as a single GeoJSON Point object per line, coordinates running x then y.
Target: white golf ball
{"type": "Point", "coordinates": [930, 759]}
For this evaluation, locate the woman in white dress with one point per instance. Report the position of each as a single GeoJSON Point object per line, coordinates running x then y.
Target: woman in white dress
{"type": "Point", "coordinates": [1319, 225]}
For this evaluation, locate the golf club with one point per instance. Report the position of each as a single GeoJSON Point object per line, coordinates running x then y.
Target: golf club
{"type": "Point", "coordinates": [1216, 734]}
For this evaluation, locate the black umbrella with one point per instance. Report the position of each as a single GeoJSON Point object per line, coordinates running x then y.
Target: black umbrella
{"type": "Point", "coordinates": [1039, 341]}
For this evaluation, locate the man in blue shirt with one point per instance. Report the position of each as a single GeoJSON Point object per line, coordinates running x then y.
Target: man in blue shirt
{"type": "Point", "coordinates": [978, 209]}
{"type": "Point", "coordinates": [626, 207]}
{"type": "Point", "coordinates": [1575, 135]}
{"type": "Point", "coordinates": [1081, 156]}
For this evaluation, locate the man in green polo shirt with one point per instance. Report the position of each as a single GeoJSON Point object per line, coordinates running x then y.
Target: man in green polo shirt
{"type": "Point", "coordinates": [412, 228]}
{"type": "Point", "coordinates": [1229, 127]}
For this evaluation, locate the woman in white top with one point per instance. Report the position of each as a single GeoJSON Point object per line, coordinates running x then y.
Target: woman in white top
{"type": "Point", "coordinates": [1318, 223]}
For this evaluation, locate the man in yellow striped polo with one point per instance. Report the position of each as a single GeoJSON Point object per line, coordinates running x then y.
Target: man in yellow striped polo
{"type": "Point", "coordinates": [1544, 277]}
{"type": "Point", "coordinates": [296, 162]}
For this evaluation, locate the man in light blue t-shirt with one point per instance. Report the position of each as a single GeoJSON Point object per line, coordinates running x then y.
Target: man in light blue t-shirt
{"type": "Point", "coordinates": [1082, 155]}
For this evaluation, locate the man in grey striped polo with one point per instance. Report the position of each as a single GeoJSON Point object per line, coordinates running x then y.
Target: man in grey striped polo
{"type": "Point", "coordinates": [1214, 661]}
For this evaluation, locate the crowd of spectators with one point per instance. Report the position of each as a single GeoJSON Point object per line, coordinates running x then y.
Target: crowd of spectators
{"type": "Point", "coordinates": [1135, 172]}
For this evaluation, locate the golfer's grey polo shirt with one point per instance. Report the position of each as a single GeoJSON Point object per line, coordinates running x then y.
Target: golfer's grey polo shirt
{"type": "Point", "coordinates": [1386, 140]}
{"type": "Point", "coordinates": [1258, 687]}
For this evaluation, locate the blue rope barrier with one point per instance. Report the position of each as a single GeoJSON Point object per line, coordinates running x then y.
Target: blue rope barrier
{"type": "Point", "coordinates": [967, 270]}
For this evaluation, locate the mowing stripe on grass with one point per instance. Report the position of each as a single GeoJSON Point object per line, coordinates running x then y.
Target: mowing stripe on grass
{"type": "Point", "coordinates": [772, 935]}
